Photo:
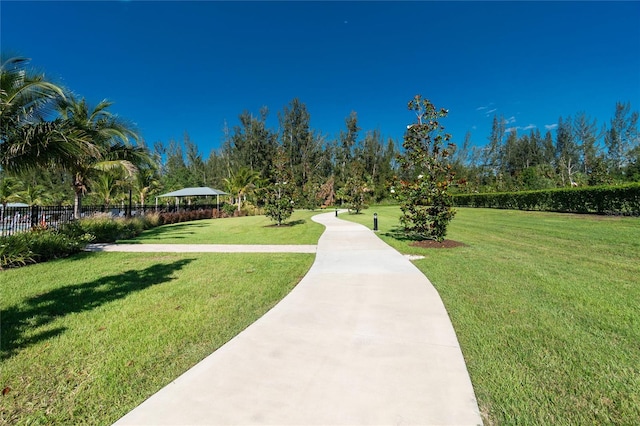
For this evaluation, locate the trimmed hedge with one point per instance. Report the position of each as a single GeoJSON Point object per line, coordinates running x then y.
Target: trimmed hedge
{"type": "Point", "coordinates": [186, 216]}
{"type": "Point", "coordinates": [611, 200]}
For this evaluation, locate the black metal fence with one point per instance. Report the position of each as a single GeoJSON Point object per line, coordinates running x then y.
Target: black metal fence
{"type": "Point", "coordinates": [19, 219]}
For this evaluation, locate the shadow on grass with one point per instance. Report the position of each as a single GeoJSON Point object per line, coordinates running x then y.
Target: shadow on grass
{"type": "Point", "coordinates": [168, 231]}
{"type": "Point", "coordinates": [19, 321]}
{"type": "Point", "coordinates": [154, 239]}
{"type": "Point", "coordinates": [286, 224]}
{"type": "Point", "coordinates": [401, 235]}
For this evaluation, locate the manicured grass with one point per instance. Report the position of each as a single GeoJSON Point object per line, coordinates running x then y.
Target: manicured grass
{"type": "Point", "coordinates": [87, 338]}
{"type": "Point", "coordinates": [299, 229]}
{"type": "Point", "coordinates": [547, 310]}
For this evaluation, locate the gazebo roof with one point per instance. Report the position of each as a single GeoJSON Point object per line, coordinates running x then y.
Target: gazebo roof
{"type": "Point", "coordinates": [193, 192]}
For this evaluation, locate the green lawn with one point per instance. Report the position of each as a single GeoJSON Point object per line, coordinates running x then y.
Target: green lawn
{"type": "Point", "coordinates": [86, 339]}
{"type": "Point", "coordinates": [547, 310]}
{"type": "Point", "coordinates": [299, 229]}
{"type": "Point", "coordinates": [546, 307]}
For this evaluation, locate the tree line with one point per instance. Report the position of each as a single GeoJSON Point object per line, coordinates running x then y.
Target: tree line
{"type": "Point", "coordinates": [248, 159]}
{"type": "Point", "coordinates": [582, 153]}
{"type": "Point", "coordinates": [57, 149]}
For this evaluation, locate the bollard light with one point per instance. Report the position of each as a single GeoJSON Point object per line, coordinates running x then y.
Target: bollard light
{"type": "Point", "coordinates": [375, 221]}
{"type": "Point", "coordinates": [336, 212]}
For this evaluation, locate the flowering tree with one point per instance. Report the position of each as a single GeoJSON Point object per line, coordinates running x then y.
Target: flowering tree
{"type": "Point", "coordinates": [425, 174]}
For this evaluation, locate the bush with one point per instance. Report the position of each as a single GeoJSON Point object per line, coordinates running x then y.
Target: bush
{"type": "Point", "coordinates": [47, 244]}
{"type": "Point", "coordinates": [40, 245]}
{"type": "Point", "coordinates": [14, 251]}
{"type": "Point", "coordinates": [151, 220]}
{"type": "Point", "coordinates": [185, 216]}
{"type": "Point", "coordinates": [616, 200]}
{"type": "Point", "coordinates": [105, 229]}
{"type": "Point", "coordinates": [229, 210]}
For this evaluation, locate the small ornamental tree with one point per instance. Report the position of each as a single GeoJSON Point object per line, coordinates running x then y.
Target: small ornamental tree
{"type": "Point", "coordinates": [425, 174]}
{"type": "Point", "coordinates": [278, 195]}
{"type": "Point", "coordinates": [356, 190]}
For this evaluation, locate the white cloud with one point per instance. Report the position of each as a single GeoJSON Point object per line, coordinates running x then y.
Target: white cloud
{"type": "Point", "coordinates": [480, 108]}
{"type": "Point", "coordinates": [511, 129]}
{"type": "Point", "coordinates": [529, 127]}
{"type": "Point", "coordinates": [491, 111]}
{"type": "Point", "coordinates": [550, 126]}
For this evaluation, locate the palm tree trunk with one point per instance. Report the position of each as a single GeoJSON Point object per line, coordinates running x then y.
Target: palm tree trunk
{"type": "Point", "coordinates": [77, 204]}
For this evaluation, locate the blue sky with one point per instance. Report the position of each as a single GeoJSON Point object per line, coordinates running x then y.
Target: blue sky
{"type": "Point", "coordinates": [172, 67]}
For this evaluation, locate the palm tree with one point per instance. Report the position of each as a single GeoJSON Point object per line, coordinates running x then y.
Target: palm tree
{"type": "Point", "coordinates": [242, 183]}
{"type": "Point", "coordinates": [112, 139]}
{"type": "Point", "coordinates": [106, 186]}
{"type": "Point", "coordinates": [34, 195]}
{"type": "Point", "coordinates": [31, 134]}
{"type": "Point", "coordinates": [9, 188]}
{"type": "Point", "coordinates": [145, 181]}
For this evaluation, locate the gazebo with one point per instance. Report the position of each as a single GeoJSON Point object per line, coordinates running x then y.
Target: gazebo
{"type": "Point", "coordinates": [203, 191]}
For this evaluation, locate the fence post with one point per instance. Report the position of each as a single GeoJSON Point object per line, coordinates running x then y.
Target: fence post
{"type": "Point", "coordinates": [34, 216]}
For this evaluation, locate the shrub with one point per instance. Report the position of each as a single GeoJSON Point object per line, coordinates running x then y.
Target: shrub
{"type": "Point", "coordinates": [229, 210]}
{"type": "Point", "coordinates": [618, 200]}
{"type": "Point", "coordinates": [14, 251]}
{"type": "Point", "coordinates": [47, 244]}
{"type": "Point", "coordinates": [105, 229]}
{"type": "Point", "coordinates": [40, 245]}
{"type": "Point", "coordinates": [152, 220]}
{"type": "Point", "coordinates": [131, 227]}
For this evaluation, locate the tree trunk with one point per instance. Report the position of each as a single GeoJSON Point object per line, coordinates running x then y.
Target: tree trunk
{"type": "Point", "coordinates": [77, 204]}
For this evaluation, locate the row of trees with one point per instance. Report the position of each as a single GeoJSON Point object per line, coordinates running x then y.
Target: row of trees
{"type": "Point", "coordinates": [582, 153]}
{"type": "Point", "coordinates": [56, 149]}
{"type": "Point", "coordinates": [322, 171]}
{"type": "Point", "coordinates": [48, 136]}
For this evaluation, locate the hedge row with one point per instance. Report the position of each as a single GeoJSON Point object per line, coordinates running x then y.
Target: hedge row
{"type": "Point", "coordinates": [186, 216]}
{"type": "Point", "coordinates": [611, 200]}
{"type": "Point", "coordinates": [43, 244]}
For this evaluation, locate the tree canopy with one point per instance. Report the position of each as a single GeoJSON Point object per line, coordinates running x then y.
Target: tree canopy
{"type": "Point", "coordinates": [56, 148]}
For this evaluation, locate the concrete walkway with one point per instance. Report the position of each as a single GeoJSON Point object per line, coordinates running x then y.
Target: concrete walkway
{"type": "Point", "coordinates": [363, 339]}
{"type": "Point", "coordinates": [203, 248]}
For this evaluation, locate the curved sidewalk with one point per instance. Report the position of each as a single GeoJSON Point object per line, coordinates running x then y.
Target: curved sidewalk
{"type": "Point", "coordinates": [363, 339]}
